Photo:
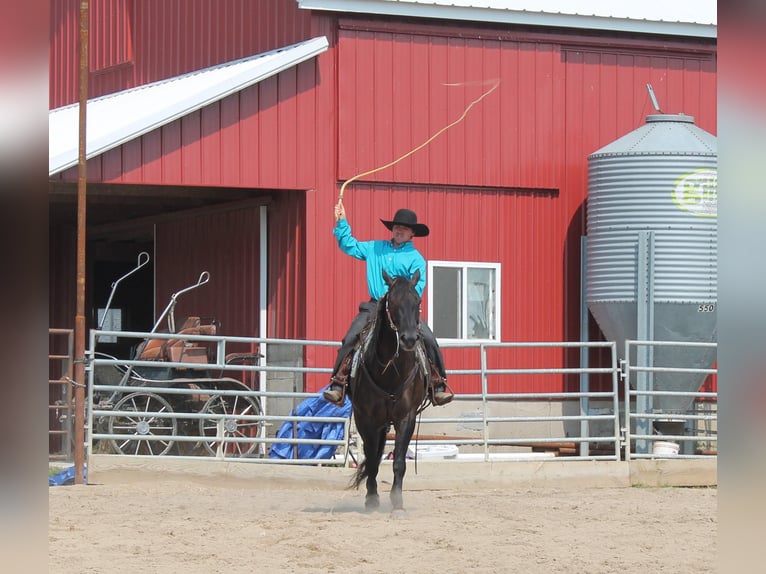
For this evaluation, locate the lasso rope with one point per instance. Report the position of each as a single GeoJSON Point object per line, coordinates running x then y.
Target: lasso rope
{"type": "Point", "coordinates": [425, 143]}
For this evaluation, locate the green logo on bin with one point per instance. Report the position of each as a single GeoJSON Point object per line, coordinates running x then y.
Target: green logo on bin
{"type": "Point", "coordinates": [697, 193]}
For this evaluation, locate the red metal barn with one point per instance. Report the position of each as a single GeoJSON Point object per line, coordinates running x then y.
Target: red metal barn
{"type": "Point", "coordinates": [241, 182]}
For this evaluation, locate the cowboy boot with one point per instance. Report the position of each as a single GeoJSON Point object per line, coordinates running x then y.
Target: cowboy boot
{"type": "Point", "coordinates": [440, 393]}
{"type": "Point", "coordinates": [336, 392]}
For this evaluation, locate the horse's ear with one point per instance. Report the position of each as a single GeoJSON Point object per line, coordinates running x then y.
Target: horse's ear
{"type": "Point", "coordinates": [387, 278]}
{"type": "Point", "coordinates": [415, 278]}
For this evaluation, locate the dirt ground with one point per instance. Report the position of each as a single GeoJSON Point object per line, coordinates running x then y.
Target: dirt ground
{"type": "Point", "coordinates": [168, 524]}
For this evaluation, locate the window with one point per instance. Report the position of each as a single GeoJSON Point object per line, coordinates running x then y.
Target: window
{"type": "Point", "coordinates": [463, 300]}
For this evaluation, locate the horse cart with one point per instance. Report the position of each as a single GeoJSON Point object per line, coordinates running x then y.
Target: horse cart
{"type": "Point", "coordinates": [162, 395]}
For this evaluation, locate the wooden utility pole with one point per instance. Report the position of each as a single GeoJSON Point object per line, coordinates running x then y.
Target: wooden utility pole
{"type": "Point", "coordinates": [79, 326]}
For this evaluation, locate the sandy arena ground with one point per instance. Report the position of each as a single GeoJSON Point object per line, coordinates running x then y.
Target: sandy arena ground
{"type": "Point", "coordinates": [168, 523]}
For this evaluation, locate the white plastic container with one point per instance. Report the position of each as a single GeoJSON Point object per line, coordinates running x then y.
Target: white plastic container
{"type": "Point", "coordinates": [665, 448]}
{"type": "Point", "coordinates": [433, 451]}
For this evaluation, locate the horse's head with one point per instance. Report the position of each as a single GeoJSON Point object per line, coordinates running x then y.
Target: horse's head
{"type": "Point", "coordinates": [403, 309]}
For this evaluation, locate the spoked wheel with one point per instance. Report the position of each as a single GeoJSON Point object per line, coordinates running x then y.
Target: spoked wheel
{"type": "Point", "coordinates": [140, 428]}
{"type": "Point", "coordinates": [232, 427]}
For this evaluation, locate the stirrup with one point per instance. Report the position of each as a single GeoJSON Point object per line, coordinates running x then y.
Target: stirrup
{"type": "Point", "coordinates": [440, 393]}
{"type": "Point", "coordinates": [336, 392]}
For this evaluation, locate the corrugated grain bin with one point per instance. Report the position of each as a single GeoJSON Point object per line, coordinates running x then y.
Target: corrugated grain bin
{"type": "Point", "coordinates": [661, 179]}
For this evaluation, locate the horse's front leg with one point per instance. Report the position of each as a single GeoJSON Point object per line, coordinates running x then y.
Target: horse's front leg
{"type": "Point", "coordinates": [373, 452]}
{"type": "Point", "coordinates": [404, 432]}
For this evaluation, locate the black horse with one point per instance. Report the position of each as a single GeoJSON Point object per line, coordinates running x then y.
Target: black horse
{"type": "Point", "coordinates": [388, 386]}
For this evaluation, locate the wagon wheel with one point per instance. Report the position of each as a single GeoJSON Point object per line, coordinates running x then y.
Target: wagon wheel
{"type": "Point", "coordinates": [137, 428]}
{"type": "Point", "coordinates": [232, 427]}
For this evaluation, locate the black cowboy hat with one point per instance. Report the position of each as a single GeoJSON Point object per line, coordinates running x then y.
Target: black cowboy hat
{"type": "Point", "coordinates": [408, 218]}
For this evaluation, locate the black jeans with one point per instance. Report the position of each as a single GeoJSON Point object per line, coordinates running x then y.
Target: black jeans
{"type": "Point", "coordinates": [366, 310]}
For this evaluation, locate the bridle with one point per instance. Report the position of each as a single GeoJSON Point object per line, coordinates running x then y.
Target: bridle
{"type": "Point", "coordinates": [393, 325]}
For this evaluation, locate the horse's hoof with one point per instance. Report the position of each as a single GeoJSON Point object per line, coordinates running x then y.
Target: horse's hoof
{"type": "Point", "coordinates": [398, 513]}
{"type": "Point", "coordinates": [371, 504]}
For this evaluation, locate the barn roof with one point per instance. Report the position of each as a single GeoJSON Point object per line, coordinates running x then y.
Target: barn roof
{"type": "Point", "coordinates": [115, 119]}
{"type": "Point", "coordinates": [671, 17]}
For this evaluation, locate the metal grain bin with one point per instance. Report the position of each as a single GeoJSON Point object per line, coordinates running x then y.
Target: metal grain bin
{"type": "Point", "coordinates": [652, 239]}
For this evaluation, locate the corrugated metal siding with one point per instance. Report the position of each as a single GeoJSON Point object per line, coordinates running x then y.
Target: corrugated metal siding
{"type": "Point", "coordinates": [111, 34]}
{"type": "Point", "coordinates": [63, 53]}
{"type": "Point", "coordinates": [168, 38]}
{"type": "Point", "coordinates": [513, 227]}
{"type": "Point", "coordinates": [397, 90]}
{"type": "Point", "coordinates": [515, 169]}
{"type": "Point", "coordinates": [287, 305]}
{"type": "Point", "coordinates": [262, 137]}
{"type": "Point", "coordinates": [226, 245]}
{"type": "Point", "coordinates": [501, 165]}
{"type": "Point", "coordinates": [62, 273]}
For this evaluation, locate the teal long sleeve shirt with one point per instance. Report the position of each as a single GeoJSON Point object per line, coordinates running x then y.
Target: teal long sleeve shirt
{"type": "Point", "coordinates": [381, 255]}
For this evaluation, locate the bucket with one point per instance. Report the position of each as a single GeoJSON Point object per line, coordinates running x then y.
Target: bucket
{"type": "Point", "coordinates": [665, 448]}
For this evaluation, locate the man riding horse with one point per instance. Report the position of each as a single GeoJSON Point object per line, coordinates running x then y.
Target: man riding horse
{"type": "Point", "coordinates": [398, 256]}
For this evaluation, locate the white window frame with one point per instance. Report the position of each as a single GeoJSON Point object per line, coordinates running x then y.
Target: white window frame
{"type": "Point", "coordinates": [464, 266]}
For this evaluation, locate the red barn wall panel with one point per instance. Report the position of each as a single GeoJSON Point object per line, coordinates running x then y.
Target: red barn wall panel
{"type": "Point", "coordinates": [226, 244]}
{"type": "Point", "coordinates": [110, 31]}
{"type": "Point", "coordinates": [510, 232]}
{"type": "Point", "coordinates": [150, 40]}
{"type": "Point", "coordinates": [559, 103]}
{"type": "Point", "coordinates": [287, 305]}
{"type": "Point", "coordinates": [396, 91]}
{"type": "Point", "coordinates": [250, 139]}
{"type": "Point", "coordinates": [62, 284]}
{"type": "Point", "coordinates": [317, 292]}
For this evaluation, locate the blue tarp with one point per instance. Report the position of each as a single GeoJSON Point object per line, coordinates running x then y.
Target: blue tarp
{"type": "Point", "coordinates": [312, 407]}
{"type": "Point", "coordinates": [66, 476]}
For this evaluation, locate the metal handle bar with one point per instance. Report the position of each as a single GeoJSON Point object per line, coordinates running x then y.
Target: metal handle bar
{"type": "Point", "coordinates": [204, 277]}
{"type": "Point", "coordinates": [143, 259]}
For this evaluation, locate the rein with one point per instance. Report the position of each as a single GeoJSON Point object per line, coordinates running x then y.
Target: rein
{"type": "Point", "coordinates": [395, 329]}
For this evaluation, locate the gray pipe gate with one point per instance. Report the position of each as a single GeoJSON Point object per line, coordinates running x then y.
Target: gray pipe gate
{"type": "Point", "coordinates": [485, 425]}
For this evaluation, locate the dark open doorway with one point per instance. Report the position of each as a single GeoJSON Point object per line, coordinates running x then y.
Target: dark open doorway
{"type": "Point", "coordinates": [131, 307]}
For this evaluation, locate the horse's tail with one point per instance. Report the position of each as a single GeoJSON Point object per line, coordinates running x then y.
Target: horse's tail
{"type": "Point", "coordinates": [360, 475]}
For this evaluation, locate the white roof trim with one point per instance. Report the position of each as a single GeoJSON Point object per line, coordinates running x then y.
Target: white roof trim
{"type": "Point", "coordinates": [115, 119]}
{"type": "Point", "coordinates": [696, 18]}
